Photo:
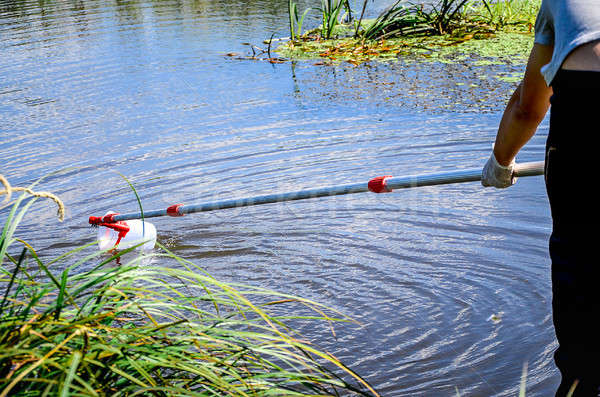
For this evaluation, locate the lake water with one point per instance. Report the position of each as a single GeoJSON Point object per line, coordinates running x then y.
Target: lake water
{"type": "Point", "coordinates": [145, 89]}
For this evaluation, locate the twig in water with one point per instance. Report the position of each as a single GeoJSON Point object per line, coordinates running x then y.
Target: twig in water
{"type": "Point", "coordinates": [269, 47]}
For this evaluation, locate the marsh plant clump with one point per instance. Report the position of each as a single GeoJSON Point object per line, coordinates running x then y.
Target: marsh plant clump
{"type": "Point", "coordinates": [501, 47]}
{"type": "Point", "coordinates": [155, 325]}
{"type": "Point", "coordinates": [442, 31]}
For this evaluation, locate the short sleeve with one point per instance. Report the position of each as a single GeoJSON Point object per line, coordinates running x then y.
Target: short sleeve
{"type": "Point", "coordinates": [544, 27]}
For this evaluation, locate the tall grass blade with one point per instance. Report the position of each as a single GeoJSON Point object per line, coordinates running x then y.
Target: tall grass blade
{"type": "Point", "coordinates": [61, 294]}
{"type": "Point", "coordinates": [292, 14]}
{"type": "Point", "coordinates": [139, 201]}
{"type": "Point", "coordinates": [12, 278]}
{"type": "Point", "coordinates": [572, 388]}
{"type": "Point", "coordinates": [522, 388]}
{"type": "Point", "coordinates": [66, 386]}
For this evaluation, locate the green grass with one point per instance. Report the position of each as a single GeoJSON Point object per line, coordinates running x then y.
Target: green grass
{"type": "Point", "coordinates": [156, 325]}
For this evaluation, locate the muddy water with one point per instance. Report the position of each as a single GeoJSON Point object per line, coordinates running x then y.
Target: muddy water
{"type": "Point", "coordinates": [143, 88]}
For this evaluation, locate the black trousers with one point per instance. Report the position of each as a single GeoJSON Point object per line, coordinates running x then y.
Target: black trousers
{"type": "Point", "coordinates": [572, 171]}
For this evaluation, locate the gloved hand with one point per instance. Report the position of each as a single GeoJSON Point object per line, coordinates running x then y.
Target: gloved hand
{"type": "Point", "coordinates": [497, 175]}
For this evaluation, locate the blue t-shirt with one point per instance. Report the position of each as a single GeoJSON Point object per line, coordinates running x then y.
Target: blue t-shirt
{"type": "Point", "coordinates": [566, 24]}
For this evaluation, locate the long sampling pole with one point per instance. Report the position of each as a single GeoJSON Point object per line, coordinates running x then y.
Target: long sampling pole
{"type": "Point", "coordinates": [380, 184]}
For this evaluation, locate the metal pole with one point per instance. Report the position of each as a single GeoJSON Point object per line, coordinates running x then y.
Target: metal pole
{"type": "Point", "coordinates": [468, 175]}
{"type": "Point", "coordinates": [389, 183]}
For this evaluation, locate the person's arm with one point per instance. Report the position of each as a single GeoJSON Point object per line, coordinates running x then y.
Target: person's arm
{"type": "Point", "coordinates": [525, 111]}
{"type": "Point", "coordinates": [526, 108]}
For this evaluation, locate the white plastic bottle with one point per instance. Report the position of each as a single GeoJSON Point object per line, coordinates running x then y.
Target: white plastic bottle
{"type": "Point", "coordinates": [138, 232]}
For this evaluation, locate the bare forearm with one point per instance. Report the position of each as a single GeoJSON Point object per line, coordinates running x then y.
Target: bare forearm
{"type": "Point", "coordinates": [516, 128]}
{"type": "Point", "coordinates": [526, 108]}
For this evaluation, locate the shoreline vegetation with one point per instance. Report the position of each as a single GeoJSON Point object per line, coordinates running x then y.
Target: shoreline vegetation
{"type": "Point", "coordinates": [450, 31]}
{"type": "Point", "coordinates": [155, 325]}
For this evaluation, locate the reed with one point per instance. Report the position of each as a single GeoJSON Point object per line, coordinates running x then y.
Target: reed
{"type": "Point", "coordinates": [296, 21]}
{"type": "Point", "coordinates": [155, 325]}
{"type": "Point", "coordinates": [330, 10]}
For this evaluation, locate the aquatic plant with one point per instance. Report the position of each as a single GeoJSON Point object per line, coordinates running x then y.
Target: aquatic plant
{"type": "Point", "coordinates": [446, 16]}
{"type": "Point", "coordinates": [357, 24]}
{"type": "Point", "coordinates": [296, 22]}
{"type": "Point", "coordinates": [396, 20]}
{"type": "Point", "coordinates": [492, 49]}
{"type": "Point", "coordinates": [330, 11]}
{"type": "Point", "coordinates": [154, 325]}
{"type": "Point", "coordinates": [504, 13]}
{"type": "Point", "coordinates": [402, 19]}
{"type": "Point", "coordinates": [498, 32]}
{"type": "Point", "coordinates": [443, 16]}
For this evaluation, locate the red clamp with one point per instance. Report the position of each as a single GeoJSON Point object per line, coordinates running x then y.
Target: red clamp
{"type": "Point", "coordinates": [174, 210]}
{"type": "Point", "coordinates": [122, 227]}
{"type": "Point", "coordinates": [108, 221]}
{"type": "Point", "coordinates": [99, 220]}
{"type": "Point", "coordinates": [378, 184]}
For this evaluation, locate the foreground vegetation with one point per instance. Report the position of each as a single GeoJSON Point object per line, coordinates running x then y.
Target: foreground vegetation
{"type": "Point", "coordinates": [407, 29]}
{"type": "Point", "coordinates": [156, 325]}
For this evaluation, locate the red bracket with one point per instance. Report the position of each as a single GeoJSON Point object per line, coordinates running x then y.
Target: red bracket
{"type": "Point", "coordinates": [121, 226]}
{"type": "Point", "coordinates": [99, 220]}
{"type": "Point", "coordinates": [378, 184]}
{"type": "Point", "coordinates": [108, 221]}
{"type": "Point", "coordinates": [174, 210]}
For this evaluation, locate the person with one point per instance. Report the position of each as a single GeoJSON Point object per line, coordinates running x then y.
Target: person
{"type": "Point", "coordinates": [563, 72]}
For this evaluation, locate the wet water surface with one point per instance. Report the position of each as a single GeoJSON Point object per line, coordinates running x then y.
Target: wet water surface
{"type": "Point", "coordinates": [144, 88]}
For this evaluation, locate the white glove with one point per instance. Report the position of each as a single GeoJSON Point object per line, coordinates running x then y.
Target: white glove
{"type": "Point", "coordinates": [497, 175]}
